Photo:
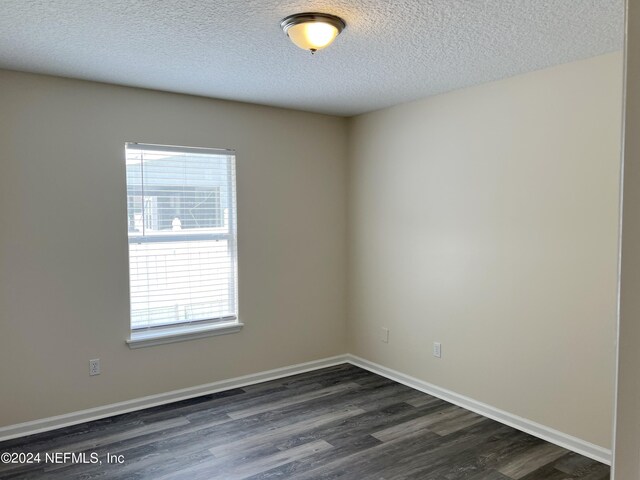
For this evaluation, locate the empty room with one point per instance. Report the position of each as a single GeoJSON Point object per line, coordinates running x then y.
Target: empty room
{"type": "Point", "coordinates": [320, 240]}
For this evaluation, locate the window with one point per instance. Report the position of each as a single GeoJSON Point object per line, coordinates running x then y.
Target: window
{"type": "Point", "coordinates": [181, 208]}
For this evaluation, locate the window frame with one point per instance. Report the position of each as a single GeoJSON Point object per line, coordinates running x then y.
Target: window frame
{"type": "Point", "coordinates": [181, 331]}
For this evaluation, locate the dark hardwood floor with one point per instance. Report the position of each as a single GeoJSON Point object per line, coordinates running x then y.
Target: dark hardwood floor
{"type": "Point", "coordinates": [339, 422]}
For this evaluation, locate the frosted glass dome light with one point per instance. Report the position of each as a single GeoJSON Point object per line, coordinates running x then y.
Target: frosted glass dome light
{"type": "Point", "coordinates": [312, 31]}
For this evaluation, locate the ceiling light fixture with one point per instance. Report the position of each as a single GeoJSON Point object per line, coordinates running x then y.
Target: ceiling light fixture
{"type": "Point", "coordinates": [312, 31]}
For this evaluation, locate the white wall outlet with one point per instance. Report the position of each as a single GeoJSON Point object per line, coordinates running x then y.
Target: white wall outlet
{"type": "Point", "coordinates": [384, 335]}
{"type": "Point", "coordinates": [437, 350]}
{"type": "Point", "coordinates": [94, 366]}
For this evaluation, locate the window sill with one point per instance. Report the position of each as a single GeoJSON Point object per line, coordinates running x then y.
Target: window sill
{"type": "Point", "coordinates": [149, 338]}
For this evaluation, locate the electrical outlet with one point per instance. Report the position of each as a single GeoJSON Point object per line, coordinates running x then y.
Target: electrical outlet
{"type": "Point", "coordinates": [437, 350]}
{"type": "Point", "coordinates": [94, 366]}
{"type": "Point", "coordinates": [384, 335]}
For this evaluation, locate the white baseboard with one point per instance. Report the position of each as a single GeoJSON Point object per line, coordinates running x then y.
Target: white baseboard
{"type": "Point", "coordinates": [74, 418]}
{"type": "Point", "coordinates": [537, 430]}
{"type": "Point", "coordinates": [571, 443]}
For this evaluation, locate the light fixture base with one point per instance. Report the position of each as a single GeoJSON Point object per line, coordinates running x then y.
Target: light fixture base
{"type": "Point", "coordinates": [298, 18]}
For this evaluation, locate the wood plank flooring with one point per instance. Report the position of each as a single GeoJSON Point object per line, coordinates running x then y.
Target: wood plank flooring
{"type": "Point", "coordinates": [340, 422]}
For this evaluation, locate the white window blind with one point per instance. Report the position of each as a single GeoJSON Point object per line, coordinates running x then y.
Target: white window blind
{"type": "Point", "coordinates": [181, 205]}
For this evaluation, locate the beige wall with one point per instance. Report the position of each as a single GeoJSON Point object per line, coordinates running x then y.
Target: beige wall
{"type": "Point", "coordinates": [627, 442]}
{"type": "Point", "coordinates": [63, 241]}
{"type": "Point", "coordinates": [486, 219]}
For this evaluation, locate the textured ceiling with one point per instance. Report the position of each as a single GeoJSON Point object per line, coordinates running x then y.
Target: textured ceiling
{"type": "Point", "coordinates": [391, 51]}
